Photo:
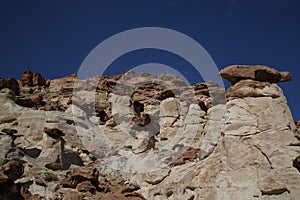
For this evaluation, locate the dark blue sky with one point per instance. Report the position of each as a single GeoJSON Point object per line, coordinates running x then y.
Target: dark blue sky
{"type": "Point", "coordinates": [53, 37]}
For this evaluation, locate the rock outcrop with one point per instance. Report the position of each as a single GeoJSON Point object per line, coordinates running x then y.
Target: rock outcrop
{"type": "Point", "coordinates": [235, 73]}
{"type": "Point", "coordinates": [9, 83]}
{"type": "Point", "coordinates": [145, 137]}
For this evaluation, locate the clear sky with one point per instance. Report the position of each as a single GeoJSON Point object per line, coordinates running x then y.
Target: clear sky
{"type": "Point", "coordinates": [53, 37]}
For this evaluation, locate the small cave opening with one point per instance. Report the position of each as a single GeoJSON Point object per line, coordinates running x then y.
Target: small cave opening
{"type": "Point", "coordinates": [138, 108]}
{"type": "Point", "coordinates": [166, 94]}
{"type": "Point", "coordinates": [102, 115]}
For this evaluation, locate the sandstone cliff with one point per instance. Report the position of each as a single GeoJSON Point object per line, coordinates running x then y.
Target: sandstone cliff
{"type": "Point", "coordinates": [146, 137]}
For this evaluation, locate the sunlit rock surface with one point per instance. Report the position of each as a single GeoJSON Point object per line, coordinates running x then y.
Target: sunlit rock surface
{"type": "Point", "coordinates": [145, 137]}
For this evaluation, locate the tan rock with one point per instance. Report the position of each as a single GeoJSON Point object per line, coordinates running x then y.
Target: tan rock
{"type": "Point", "coordinates": [169, 108]}
{"type": "Point", "coordinates": [252, 88]}
{"type": "Point", "coordinates": [244, 149]}
{"type": "Point", "coordinates": [89, 173]}
{"type": "Point", "coordinates": [235, 73]}
{"type": "Point", "coordinates": [86, 186]}
{"type": "Point", "coordinates": [143, 143]}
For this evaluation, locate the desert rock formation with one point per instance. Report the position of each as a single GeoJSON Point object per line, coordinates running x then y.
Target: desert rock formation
{"type": "Point", "coordinates": [148, 137]}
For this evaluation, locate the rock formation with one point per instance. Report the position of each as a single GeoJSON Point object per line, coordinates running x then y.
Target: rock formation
{"type": "Point", "coordinates": [145, 137]}
{"type": "Point", "coordinates": [262, 73]}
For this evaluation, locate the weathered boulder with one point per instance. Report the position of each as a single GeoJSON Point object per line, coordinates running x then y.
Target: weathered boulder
{"type": "Point", "coordinates": [169, 108]}
{"type": "Point", "coordinates": [235, 73]}
{"type": "Point", "coordinates": [27, 78]}
{"type": "Point", "coordinates": [142, 142]}
{"type": "Point", "coordinates": [86, 186]}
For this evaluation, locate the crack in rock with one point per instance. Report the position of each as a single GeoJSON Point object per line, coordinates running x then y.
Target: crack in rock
{"type": "Point", "coordinates": [265, 155]}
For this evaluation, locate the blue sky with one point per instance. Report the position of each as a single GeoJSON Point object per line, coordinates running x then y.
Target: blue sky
{"type": "Point", "coordinates": [54, 37]}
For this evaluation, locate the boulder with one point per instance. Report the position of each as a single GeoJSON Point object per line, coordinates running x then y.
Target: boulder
{"type": "Point", "coordinates": [86, 174]}
{"type": "Point", "coordinates": [142, 142]}
{"type": "Point", "coordinates": [169, 108]}
{"type": "Point", "coordinates": [235, 73]}
{"type": "Point", "coordinates": [86, 186]}
{"type": "Point", "coordinates": [201, 89]}
{"type": "Point", "coordinates": [27, 78]}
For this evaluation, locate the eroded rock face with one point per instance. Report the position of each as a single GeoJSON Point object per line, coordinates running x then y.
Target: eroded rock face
{"type": "Point", "coordinates": [149, 137]}
{"type": "Point", "coordinates": [252, 88]}
{"type": "Point", "coordinates": [262, 73]}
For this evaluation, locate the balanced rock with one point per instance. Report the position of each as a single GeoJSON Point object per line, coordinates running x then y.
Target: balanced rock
{"type": "Point", "coordinates": [235, 73]}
